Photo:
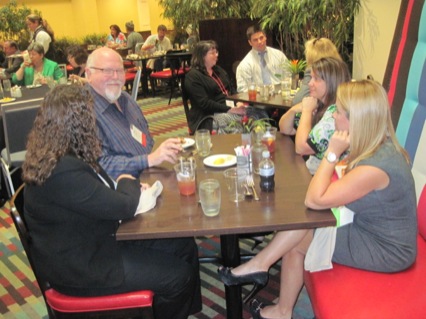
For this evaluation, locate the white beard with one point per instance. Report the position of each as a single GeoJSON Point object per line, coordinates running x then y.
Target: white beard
{"type": "Point", "coordinates": [112, 94]}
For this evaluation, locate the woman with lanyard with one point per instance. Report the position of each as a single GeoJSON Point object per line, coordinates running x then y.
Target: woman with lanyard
{"type": "Point", "coordinates": [207, 86]}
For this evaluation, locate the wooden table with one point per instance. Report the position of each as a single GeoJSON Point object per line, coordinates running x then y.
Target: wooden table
{"type": "Point", "coordinates": [181, 216]}
{"type": "Point", "coordinates": [275, 100]}
{"type": "Point", "coordinates": [35, 94]}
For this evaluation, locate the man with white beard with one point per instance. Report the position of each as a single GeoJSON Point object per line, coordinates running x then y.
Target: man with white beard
{"type": "Point", "coordinates": [122, 128]}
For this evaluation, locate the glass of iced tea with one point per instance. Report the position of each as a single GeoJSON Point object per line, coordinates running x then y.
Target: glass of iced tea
{"type": "Point", "coordinates": [252, 91]}
{"type": "Point", "coordinates": [185, 174]}
{"type": "Point", "coordinates": [269, 137]}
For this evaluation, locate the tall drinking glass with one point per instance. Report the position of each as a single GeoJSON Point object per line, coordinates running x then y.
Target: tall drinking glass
{"type": "Point", "coordinates": [210, 197]}
{"type": "Point", "coordinates": [203, 142]}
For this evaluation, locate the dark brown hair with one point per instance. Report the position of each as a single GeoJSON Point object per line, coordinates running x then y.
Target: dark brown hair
{"type": "Point", "coordinates": [333, 72]}
{"type": "Point", "coordinates": [79, 54]}
{"type": "Point", "coordinates": [200, 51]}
{"type": "Point", "coordinates": [65, 125]}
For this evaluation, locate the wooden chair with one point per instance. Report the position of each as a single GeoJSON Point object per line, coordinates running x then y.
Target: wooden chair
{"type": "Point", "coordinates": [136, 304]}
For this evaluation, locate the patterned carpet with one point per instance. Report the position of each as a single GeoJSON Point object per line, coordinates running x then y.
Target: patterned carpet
{"type": "Point", "coordinates": [21, 298]}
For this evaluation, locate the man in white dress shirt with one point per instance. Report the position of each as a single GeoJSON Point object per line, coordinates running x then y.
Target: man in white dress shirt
{"type": "Point", "coordinates": [157, 42]}
{"type": "Point", "coordinates": [261, 64]}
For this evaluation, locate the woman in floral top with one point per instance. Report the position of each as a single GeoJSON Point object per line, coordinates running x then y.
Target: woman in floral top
{"type": "Point", "coordinates": [312, 119]}
{"type": "Point", "coordinates": [116, 39]}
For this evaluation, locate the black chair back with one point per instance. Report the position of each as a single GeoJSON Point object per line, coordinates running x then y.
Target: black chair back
{"type": "Point", "coordinates": [17, 123]}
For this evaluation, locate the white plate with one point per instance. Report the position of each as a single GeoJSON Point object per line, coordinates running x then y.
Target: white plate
{"type": "Point", "coordinates": [33, 86]}
{"type": "Point", "coordinates": [188, 142]}
{"type": "Point", "coordinates": [229, 160]}
{"type": "Point", "coordinates": [7, 100]}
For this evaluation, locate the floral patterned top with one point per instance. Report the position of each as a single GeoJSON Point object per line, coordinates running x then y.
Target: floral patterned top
{"type": "Point", "coordinates": [120, 39]}
{"type": "Point", "coordinates": [319, 137]}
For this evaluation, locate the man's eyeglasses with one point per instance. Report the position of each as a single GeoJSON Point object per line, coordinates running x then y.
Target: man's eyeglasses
{"type": "Point", "coordinates": [109, 72]}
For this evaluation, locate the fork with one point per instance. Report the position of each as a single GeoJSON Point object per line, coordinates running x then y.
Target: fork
{"type": "Point", "coordinates": [250, 182]}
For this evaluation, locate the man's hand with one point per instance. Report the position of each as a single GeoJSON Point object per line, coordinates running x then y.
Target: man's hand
{"type": "Point", "coordinates": [167, 151]}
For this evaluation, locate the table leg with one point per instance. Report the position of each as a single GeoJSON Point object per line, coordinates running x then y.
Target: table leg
{"type": "Point", "coordinates": [144, 79]}
{"type": "Point", "coordinates": [230, 250]}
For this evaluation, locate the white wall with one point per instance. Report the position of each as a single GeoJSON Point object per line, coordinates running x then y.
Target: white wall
{"type": "Point", "coordinates": [373, 34]}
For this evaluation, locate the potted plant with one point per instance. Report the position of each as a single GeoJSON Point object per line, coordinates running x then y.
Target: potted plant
{"type": "Point", "coordinates": [94, 40]}
{"type": "Point", "coordinates": [249, 126]}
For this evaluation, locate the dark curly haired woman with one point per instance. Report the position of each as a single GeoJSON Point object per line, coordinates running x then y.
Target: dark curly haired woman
{"type": "Point", "coordinates": [73, 210]}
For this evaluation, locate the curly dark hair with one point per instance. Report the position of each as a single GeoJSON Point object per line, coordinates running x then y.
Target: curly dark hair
{"type": "Point", "coordinates": [65, 124]}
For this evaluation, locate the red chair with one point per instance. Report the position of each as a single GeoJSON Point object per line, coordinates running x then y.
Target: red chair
{"type": "Point", "coordinates": [348, 293]}
{"type": "Point", "coordinates": [132, 304]}
{"type": "Point", "coordinates": [174, 75]}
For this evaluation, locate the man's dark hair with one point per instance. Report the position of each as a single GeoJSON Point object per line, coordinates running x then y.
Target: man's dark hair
{"type": "Point", "coordinates": [162, 27]}
{"type": "Point", "coordinates": [252, 30]}
{"type": "Point", "coordinates": [12, 44]}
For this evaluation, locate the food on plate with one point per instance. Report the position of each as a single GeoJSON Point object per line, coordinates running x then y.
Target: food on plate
{"type": "Point", "coordinates": [182, 140]}
{"type": "Point", "coordinates": [219, 161]}
{"type": "Point", "coordinates": [222, 160]}
{"type": "Point", "coordinates": [133, 56]}
{"type": "Point", "coordinates": [7, 99]}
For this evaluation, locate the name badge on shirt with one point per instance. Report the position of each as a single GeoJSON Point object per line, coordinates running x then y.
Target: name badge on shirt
{"type": "Point", "coordinates": [138, 135]}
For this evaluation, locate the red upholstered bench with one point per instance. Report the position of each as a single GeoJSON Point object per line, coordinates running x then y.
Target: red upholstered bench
{"type": "Point", "coordinates": [349, 293]}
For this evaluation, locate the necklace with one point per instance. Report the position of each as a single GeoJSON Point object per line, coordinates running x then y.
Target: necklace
{"type": "Point", "coordinates": [219, 82]}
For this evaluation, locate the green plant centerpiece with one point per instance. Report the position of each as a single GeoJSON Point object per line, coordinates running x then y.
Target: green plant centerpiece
{"type": "Point", "coordinates": [295, 66]}
{"type": "Point", "coordinates": [248, 125]}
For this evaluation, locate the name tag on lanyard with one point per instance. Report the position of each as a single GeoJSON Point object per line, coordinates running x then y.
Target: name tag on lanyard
{"type": "Point", "coordinates": [138, 135]}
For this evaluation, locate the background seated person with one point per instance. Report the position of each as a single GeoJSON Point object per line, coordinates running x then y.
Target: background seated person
{"type": "Point", "coordinates": [133, 37]}
{"type": "Point", "coordinates": [73, 232]}
{"type": "Point", "coordinates": [315, 49]}
{"type": "Point", "coordinates": [116, 39]}
{"type": "Point", "coordinates": [77, 58]}
{"type": "Point", "coordinates": [37, 69]}
{"type": "Point", "coordinates": [312, 119]}
{"type": "Point", "coordinates": [10, 65]}
{"type": "Point", "coordinates": [261, 64]}
{"type": "Point", "coordinates": [207, 86]}
{"type": "Point", "coordinates": [157, 43]}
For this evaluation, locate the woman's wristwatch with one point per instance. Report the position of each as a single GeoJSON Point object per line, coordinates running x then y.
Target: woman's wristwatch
{"type": "Point", "coordinates": [331, 157]}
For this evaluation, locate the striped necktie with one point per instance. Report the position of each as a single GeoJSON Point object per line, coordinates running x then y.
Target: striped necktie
{"type": "Point", "coordinates": [266, 78]}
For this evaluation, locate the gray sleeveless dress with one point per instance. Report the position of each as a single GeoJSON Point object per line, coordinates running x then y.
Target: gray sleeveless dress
{"type": "Point", "coordinates": [383, 234]}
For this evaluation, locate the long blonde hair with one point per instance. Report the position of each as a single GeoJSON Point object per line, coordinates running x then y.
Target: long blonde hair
{"type": "Point", "coordinates": [367, 108]}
